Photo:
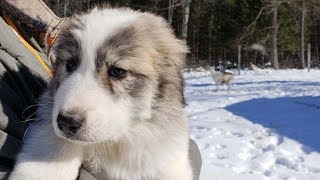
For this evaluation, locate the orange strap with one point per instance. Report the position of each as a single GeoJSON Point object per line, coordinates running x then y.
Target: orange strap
{"type": "Point", "coordinates": [50, 40]}
{"type": "Point", "coordinates": [27, 45]}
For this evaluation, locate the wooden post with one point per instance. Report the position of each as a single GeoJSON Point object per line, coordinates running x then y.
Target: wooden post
{"type": "Point", "coordinates": [239, 59]}
{"type": "Point", "coordinates": [274, 37]}
{"type": "Point", "coordinates": [170, 11]}
{"type": "Point", "coordinates": [309, 57]}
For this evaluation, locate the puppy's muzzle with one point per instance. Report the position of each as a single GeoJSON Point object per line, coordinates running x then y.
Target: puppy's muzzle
{"type": "Point", "coordinates": [69, 124]}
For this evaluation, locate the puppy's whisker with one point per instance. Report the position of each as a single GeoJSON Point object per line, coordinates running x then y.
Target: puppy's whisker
{"type": "Point", "coordinates": [44, 106]}
{"type": "Point", "coordinates": [47, 97]}
{"type": "Point", "coordinates": [28, 120]}
{"type": "Point", "coordinates": [25, 132]}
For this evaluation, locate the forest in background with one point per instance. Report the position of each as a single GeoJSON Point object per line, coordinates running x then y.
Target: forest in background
{"type": "Point", "coordinates": [269, 33]}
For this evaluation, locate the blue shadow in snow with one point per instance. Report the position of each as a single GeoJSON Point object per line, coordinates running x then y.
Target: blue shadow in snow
{"type": "Point", "coordinates": [303, 83]}
{"type": "Point", "coordinates": [297, 118]}
{"type": "Point", "coordinates": [202, 85]}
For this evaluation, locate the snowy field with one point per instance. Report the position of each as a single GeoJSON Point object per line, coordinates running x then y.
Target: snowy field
{"type": "Point", "coordinates": [267, 127]}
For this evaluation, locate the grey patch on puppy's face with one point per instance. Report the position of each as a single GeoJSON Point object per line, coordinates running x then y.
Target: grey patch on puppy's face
{"type": "Point", "coordinates": [120, 50]}
{"type": "Point", "coordinates": [68, 47]}
{"type": "Point", "coordinates": [117, 47]}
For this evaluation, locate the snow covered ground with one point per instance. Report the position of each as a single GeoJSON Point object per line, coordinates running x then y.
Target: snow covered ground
{"type": "Point", "coordinates": [267, 127]}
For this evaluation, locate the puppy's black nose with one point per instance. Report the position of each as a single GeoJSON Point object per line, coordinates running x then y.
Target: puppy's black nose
{"type": "Point", "coordinates": [69, 124]}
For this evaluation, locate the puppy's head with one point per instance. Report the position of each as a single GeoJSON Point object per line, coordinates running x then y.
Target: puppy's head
{"type": "Point", "coordinates": [113, 67]}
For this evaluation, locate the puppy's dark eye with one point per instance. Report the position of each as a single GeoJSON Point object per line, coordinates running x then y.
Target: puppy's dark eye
{"type": "Point", "coordinates": [117, 72]}
{"type": "Point", "coordinates": [71, 65]}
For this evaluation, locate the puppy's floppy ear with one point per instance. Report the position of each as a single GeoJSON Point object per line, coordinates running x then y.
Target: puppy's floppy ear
{"type": "Point", "coordinates": [175, 49]}
{"type": "Point", "coordinates": [179, 54]}
{"type": "Point", "coordinates": [156, 28]}
{"type": "Point", "coordinates": [51, 37]}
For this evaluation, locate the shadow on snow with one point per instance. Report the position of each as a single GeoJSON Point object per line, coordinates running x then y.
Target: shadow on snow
{"type": "Point", "coordinates": [297, 118]}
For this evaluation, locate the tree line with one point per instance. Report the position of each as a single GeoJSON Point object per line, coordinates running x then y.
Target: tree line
{"type": "Point", "coordinates": [272, 33]}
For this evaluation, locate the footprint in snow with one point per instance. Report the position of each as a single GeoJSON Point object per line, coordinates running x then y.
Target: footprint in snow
{"type": "Point", "coordinates": [289, 163]}
{"type": "Point", "coordinates": [201, 128]}
{"type": "Point", "coordinates": [262, 162]}
{"type": "Point", "coordinates": [237, 134]}
{"type": "Point", "coordinates": [222, 156]}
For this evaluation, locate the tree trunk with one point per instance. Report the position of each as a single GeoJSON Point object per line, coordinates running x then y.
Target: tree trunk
{"type": "Point", "coordinates": [210, 39]}
{"type": "Point", "coordinates": [315, 37]}
{"type": "Point", "coordinates": [185, 18]}
{"type": "Point", "coordinates": [88, 4]}
{"type": "Point", "coordinates": [194, 44]}
{"type": "Point", "coordinates": [255, 56]}
{"type": "Point", "coordinates": [309, 57]}
{"type": "Point", "coordinates": [198, 45]}
{"type": "Point", "coordinates": [302, 60]}
{"type": "Point", "coordinates": [65, 8]}
{"type": "Point", "coordinates": [170, 11]}
{"type": "Point", "coordinates": [239, 59]}
{"type": "Point", "coordinates": [274, 51]}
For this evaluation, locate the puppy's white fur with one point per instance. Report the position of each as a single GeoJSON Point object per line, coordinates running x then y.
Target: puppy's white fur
{"type": "Point", "coordinates": [123, 137]}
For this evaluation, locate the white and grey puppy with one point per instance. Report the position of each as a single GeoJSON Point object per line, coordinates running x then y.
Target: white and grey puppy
{"type": "Point", "coordinates": [221, 78]}
{"type": "Point", "coordinates": [115, 103]}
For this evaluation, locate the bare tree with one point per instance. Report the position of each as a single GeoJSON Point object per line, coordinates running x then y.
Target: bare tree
{"type": "Point", "coordinates": [170, 11]}
{"type": "Point", "coordinates": [302, 27]}
{"type": "Point", "coordinates": [274, 50]}
{"type": "Point", "coordinates": [65, 8]}
{"type": "Point", "coordinates": [185, 18]}
{"type": "Point", "coordinates": [309, 57]}
{"type": "Point", "coordinates": [210, 28]}
{"type": "Point", "coordinates": [315, 29]}
{"type": "Point", "coordinates": [239, 59]}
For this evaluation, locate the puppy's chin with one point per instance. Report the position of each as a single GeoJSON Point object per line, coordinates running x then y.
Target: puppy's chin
{"type": "Point", "coordinates": [74, 139]}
